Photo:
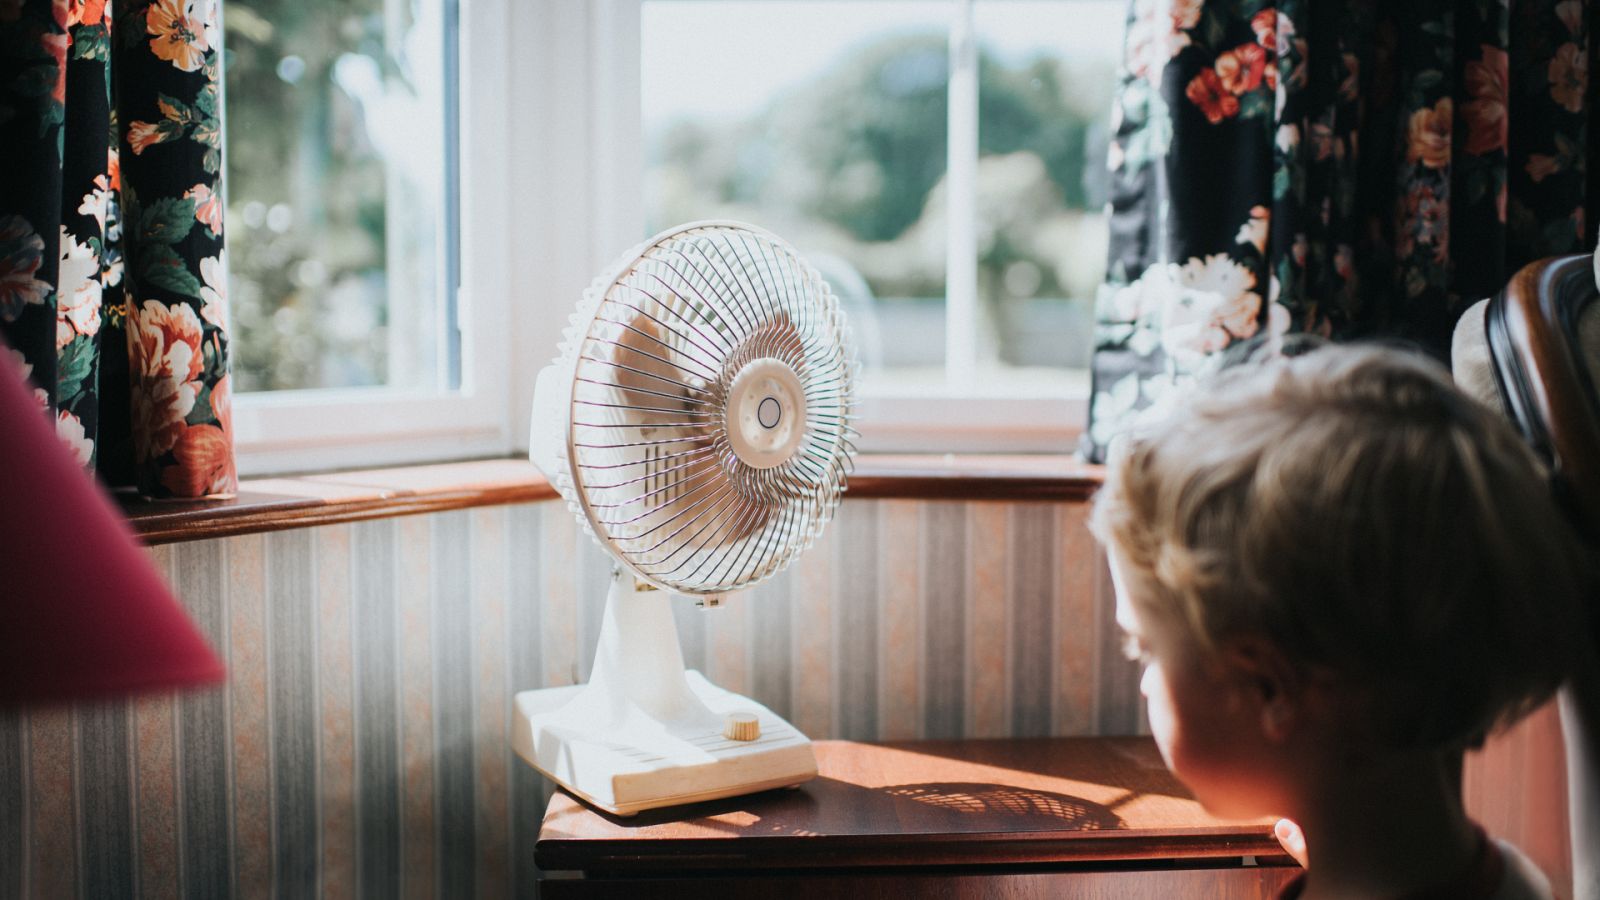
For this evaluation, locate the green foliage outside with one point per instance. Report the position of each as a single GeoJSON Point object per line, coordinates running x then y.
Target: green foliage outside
{"type": "Point", "coordinates": [306, 196]}
{"type": "Point", "coordinates": [851, 164]}
{"type": "Point", "coordinates": [854, 163]}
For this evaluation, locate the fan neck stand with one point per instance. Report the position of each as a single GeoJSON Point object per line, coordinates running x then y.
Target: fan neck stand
{"type": "Point", "coordinates": [645, 733]}
{"type": "Point", "coordinates": [638, 666]}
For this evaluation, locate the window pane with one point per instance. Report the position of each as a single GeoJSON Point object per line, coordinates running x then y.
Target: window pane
{"type": "Point", "coordinates": [824, 122]}
{"type": "Point", "coordinates": [1046, 70]}
{"type": "Point", "coordinates": [340, 193]}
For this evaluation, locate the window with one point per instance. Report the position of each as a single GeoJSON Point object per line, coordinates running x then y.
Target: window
{"type": "Point", "coordinates": [955, 206]}
{"type": "Point", "coordinates": [943, 163]}
{"type": "Point", "coordinates": [350, 204]}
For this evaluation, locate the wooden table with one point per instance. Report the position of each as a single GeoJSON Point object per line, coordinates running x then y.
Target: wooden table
{"type": "Point", "coordinates": [1058, 817]}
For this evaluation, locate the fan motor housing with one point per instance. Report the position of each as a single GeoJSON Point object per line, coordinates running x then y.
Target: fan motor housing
{"type": "Point", "coordinates": [766, 413]}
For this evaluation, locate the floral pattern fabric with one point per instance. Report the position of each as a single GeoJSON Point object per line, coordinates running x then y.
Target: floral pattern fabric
{"type": "Point", "coordinates": [112, 269]}
{"type": "Point", "coordinates": [1357, 169]}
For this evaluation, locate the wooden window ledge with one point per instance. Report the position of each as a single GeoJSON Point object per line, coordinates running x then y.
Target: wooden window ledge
{"type": "Point", "coordinates": [273, 504]}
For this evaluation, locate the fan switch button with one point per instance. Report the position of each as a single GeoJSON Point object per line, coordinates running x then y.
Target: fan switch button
{"type": "Point", "coordinates": [741, 726]}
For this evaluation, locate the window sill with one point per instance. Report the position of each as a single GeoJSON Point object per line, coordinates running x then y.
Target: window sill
{"type": "Point", "coordinates": [274, 504]}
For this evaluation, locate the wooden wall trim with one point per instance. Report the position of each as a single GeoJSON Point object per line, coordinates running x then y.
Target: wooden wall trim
{"type": "Point", "coordinates": [975, 477]}
{"type": "Point", "coordinates": [275, 504]}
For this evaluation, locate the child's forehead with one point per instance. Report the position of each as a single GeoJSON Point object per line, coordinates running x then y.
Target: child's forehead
{"type": "Point", "coordinates": [1127, 620]}
{"type": "Point", "coordinates": [1127, 616]}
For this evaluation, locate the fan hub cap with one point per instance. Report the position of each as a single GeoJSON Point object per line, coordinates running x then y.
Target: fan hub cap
{"type": "Point", "coordinates": [766, 413]}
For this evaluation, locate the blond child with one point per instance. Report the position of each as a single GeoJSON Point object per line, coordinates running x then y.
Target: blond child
{"type": "Point", "coordinates": [1338, 572]}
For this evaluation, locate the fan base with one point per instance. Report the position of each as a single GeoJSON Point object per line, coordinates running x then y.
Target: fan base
{"type": "Point", "coordinates": [638, 764]}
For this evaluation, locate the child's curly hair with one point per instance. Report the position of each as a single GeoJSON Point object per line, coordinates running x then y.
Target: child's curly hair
{"type": "Point", "coordinates": [1377, 525]}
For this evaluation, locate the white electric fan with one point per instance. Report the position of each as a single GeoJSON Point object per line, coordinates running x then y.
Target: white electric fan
{"type": "Point", "coordinates": [697, 422]}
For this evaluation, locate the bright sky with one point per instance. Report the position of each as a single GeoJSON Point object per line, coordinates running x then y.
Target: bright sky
{"type": "Point", "coordinates": [727, 57]}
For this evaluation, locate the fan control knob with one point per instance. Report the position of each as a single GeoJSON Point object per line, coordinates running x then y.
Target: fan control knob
{"type": "Point", "coordinates": [741, 726]}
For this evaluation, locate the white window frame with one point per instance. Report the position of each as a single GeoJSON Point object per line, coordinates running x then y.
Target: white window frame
{"type": "Point", "coordinates": [317, 430]}
{"type": "Point", "coordinates": [551, 184]}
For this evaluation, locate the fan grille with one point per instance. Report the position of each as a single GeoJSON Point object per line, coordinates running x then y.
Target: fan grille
{"type": "Point", "coordinates": [655, 472]}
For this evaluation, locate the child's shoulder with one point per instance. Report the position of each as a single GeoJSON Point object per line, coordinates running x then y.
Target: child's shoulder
{"type": "Point", "coordinates": [1500, 872]}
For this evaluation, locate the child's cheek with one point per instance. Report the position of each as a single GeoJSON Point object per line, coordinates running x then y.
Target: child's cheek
{"type": "Point", "coordinates": [1159, 709]}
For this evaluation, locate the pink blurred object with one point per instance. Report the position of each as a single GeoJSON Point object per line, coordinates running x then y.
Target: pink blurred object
{"type": "Point", "coordinates": [83, 613]}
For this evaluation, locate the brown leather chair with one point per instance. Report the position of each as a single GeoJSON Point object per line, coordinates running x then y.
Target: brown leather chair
{"type": "Point", "coordinates": [1542, 341]}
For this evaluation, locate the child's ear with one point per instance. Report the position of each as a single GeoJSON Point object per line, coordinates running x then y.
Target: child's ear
{"type": "Point", "coordinates": [1272, 687]}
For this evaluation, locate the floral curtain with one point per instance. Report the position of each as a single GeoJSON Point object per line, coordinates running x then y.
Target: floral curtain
{"type": "Point", "coordinates": [112, 269]}
{"type": "Point", "coordinates": [1351, 169]}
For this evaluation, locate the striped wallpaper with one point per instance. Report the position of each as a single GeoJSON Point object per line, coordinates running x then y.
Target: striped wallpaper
{"type": "Point", "coordinates": [360, 745]}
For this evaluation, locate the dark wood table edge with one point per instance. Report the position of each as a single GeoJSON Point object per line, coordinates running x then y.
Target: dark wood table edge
{"type": "Point", "coordinates": [1027, 850]}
